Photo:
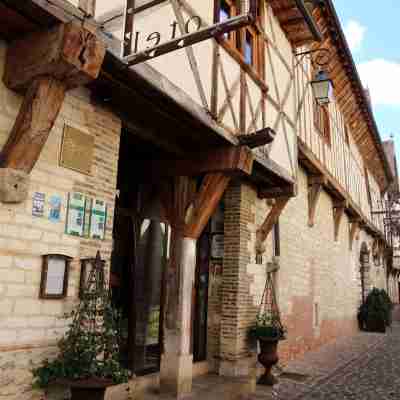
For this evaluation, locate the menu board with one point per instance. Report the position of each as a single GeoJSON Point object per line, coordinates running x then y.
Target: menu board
{"type": "Point", "coordinates": [54, 284]}
{"type": "Point", "coordinates": [98, 219]}
{"type": "Point", "coordinates": [75, 214]}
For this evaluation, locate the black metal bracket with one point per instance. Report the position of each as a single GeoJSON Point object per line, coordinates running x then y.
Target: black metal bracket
{"type": "Point", "coordinates": [320, 62]}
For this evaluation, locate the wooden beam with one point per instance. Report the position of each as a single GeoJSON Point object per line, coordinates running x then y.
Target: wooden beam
{"type": "Point", "coordinates": [278, 191]}
{"type": "Point", "coordinates": [257, 139]}
{"type": "Point", "coordinates": [67, 52]}
{"type": "Point", "coordinates": [315, 187]}
{"type": "Point", "coordinates": [271, 219]}
{"type": "Point", "coordinates": [355, 226]}
{"type": "Point", "coordinates": [229, 160]}
{"type": "Point", "coordinates": [47, 64]}
{"type": "Point", "coordinates": [205, 204]}
{"type": "Point", "coordinates": [31, 129]}
{"type": "Point", "coordinates": [339, 209]}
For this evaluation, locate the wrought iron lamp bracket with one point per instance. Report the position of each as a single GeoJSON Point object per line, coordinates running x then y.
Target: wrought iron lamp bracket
{"type": "Point", "coordinates": [322, 61]}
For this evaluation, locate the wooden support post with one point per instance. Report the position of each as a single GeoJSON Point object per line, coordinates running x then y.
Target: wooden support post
{"type": "Point", "coordinates": [188, 213]}
{"type": "Point", "coordinates": [339, 209]}
{"type": "Point", "coordinates": [355, 226]}
{"type": "Point", "coordinates": [271, 219]}
{"type": "Point", "coordinates": [315, 187]}
{"type": "Point", "coordinates": [36, 117]}
{"type": "Point", "coordinates": [45, 65]}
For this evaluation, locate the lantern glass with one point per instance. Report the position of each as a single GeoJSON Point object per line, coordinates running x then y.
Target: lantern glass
{"type": "Point", "coordinates": [322, 87]}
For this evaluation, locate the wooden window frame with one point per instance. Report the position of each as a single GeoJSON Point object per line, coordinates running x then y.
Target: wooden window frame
{"type": "Point", "coordinates": [322, 122]}
{"type": "Point", "coordinates": [256, 68]}
{"type": "Point", "coordinates": [45, 266]}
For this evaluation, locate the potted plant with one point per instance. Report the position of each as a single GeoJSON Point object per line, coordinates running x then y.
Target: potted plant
{"type": "Point", "coordinates": [268, 330]}
{"type": "Point", "coordinates": [88, 359]}
{"type": "Point", "coordinates": [374, 315]}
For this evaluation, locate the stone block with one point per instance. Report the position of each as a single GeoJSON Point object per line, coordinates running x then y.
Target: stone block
{"type": "Point", "coordinates": [14, 185]}
{"type": "Point", "coordinates": [27, 307]}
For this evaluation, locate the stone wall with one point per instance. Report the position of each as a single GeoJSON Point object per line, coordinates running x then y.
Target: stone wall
{"type": "Point", "coordinates": [318, 284]}
{"type": "Point", "coordinates": [29, 326]}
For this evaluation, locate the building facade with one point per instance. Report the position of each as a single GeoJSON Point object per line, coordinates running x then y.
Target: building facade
{"type": "Point", "coordinates": [191, 170]}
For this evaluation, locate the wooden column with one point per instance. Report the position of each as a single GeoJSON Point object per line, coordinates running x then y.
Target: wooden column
{"type": "Point", "coordinates": [44, 65]}
{"type": "Point", "coordinates": [315, 187]}
{"type": "Point", "coordinates": [188, 211]}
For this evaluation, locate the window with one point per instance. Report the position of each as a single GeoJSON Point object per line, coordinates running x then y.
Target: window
{"type": "Point", "coordinates": [246, 42]}
{"type": "Point", "coordinates": [321, 121]}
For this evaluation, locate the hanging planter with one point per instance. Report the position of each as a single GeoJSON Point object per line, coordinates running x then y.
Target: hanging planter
{"type": "Point", "coordinates": [268, 330]}
{"type": "Point", "coordinates": [88, 360]}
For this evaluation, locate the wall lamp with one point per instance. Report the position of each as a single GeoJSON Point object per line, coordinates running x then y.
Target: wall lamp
{"type": "Point", "coordinates": [321, 84]}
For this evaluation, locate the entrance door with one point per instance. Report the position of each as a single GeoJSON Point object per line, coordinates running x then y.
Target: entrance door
{"type": "Point", "coordinates": [137, 267]}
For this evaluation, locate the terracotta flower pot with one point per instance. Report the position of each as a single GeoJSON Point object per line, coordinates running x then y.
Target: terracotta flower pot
{"type": "Point", "coordinates": [268, 357]}
{"type": "Point", "coordinates": [87, 389]}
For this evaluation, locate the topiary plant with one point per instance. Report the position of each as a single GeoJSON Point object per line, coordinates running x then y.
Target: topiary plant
{"type": "Point", "coordinates": [375, 313]}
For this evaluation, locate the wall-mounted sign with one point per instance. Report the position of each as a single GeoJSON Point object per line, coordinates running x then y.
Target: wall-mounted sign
{"type": "Point", "coordinates": [38, 201]}
{"type": "Point", "coordinates": [156, 27]}
{"type": "Point", "coordinates": [77, 150]}
{"type": "Point", "coordinates": [75, 214]}
{"type": "Point", "coordinates": [54, 279]}
{"type": "Point", "coordinates": [55, 208]}
{"type": "Point", "coordinates": [98, 219]}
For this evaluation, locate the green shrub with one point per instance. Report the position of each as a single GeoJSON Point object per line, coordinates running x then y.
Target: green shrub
{"type": "Point", "coordinates": [268, 327]}
{"type": "Point", "coordinates": [375, 313]}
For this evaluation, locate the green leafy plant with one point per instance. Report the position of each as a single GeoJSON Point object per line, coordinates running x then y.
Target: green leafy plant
{"type": "Point", "coordinates": [89, 349]}
{"type": "Point", "coordinates": [268, 326]}
{"type": "Point", "coordinates": [375, 314]}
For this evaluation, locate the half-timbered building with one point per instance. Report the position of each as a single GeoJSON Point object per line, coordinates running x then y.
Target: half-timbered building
{"type": "Point", "coordinates": [185, 140]}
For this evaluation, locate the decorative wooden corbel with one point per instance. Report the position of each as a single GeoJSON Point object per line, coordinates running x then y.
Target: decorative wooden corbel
{"type": "Point", "coordinates": [44, 65]}
{"type": "Point", "coordinates": [271, 219]}
{"type": "Point", "coordinates": [355, 226]}
{"type": "Point", "coordinates": [339, 209]}
{"type": "Point", "coordinates": [315, 187]}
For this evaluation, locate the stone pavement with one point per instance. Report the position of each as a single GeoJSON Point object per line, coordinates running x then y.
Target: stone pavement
{"type": "Point", "coordinates": [366, 366]}
{"type": "Point", "coordinates": [363, 367]}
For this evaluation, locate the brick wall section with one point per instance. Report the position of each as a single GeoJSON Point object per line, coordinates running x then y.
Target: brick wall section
{"type": "Point", "coordinates": [318, 284]}
{"type": "Point", "coordinates": [25, 321]}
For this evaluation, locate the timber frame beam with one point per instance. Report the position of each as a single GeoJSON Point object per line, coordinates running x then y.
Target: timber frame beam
{"type": "Point", "coordinates": [354, 231]}
{"type": "Point", "coordinates": [230, 160]}
{"type": "Point", "coordinates": [339, 209]}
{"type": "Point", "coordinates": [271, 219]}
{"type": "Point", "coordinates": [45, 65]}
{"type": "Point", "coordinates": [339, 194]}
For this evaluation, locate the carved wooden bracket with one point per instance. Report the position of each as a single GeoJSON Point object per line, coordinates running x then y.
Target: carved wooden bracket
{"type": "Point", "coordinates": [339, 209]}
{"type": "Point", "coordinates": [355, 226]}
{"type": "Point", "coordinates": [271, 219]}
{"type": "Point", "coordinates": [315, 187]}
{"type": "Point", "coordinates": [45, 65]}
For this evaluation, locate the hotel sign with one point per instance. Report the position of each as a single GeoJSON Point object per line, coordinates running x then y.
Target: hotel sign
{"type": "Point", "coordinates": [156, 27]}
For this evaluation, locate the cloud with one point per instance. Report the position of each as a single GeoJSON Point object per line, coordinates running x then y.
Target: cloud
{"type": "Point", "coordinates": [355, 33]}
{"type": "Point", "coordinates": [381, 77]}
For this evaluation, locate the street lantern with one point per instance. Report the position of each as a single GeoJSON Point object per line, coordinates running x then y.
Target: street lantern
{"type": "Point", "coordinates": [322, 87]}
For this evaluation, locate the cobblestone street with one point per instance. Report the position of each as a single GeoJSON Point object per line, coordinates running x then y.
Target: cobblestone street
{"type": "Point", "coordinates": [364, 367]}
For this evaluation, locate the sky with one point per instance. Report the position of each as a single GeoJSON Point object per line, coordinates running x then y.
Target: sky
{"type": "Point", "coordinates": [373, 30]}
